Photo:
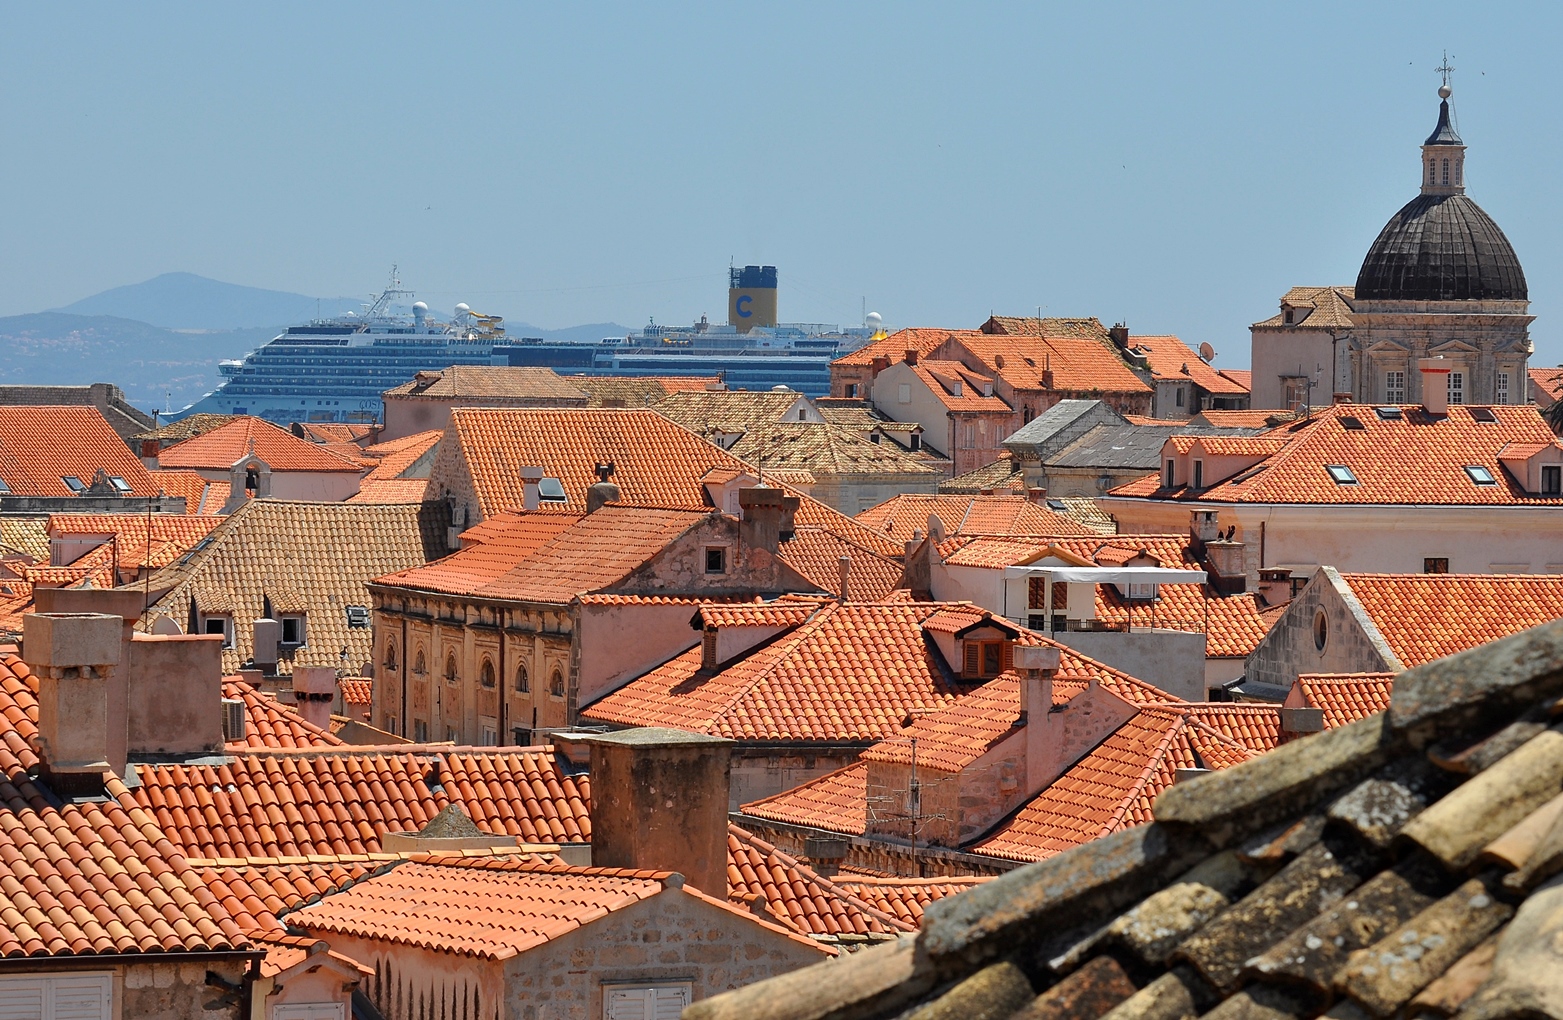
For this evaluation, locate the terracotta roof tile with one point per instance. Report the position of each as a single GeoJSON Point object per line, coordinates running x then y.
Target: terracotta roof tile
{"type": "Point", "coordinates": [26, 535]}
{"type": "Point", "coordinates": [797, 897]}
{"type": "Point", "coordinates": [1548, 380]}
{"type": "Point", "coordinates": [959, 388]}
{"type": "Point", "coordinates": [336, 802]}
{"type": "Point", "coordinates": [315, 558]}
{"type": "Point", "coordinates": [657, 463]}
{"type": "Point", "coordinates": [201, 496]}
{"type": "Point", "coordinates": [1089, 328]}
{"type": "Point", "coordinates": [1412, 458]}
{"type": "Point", "coordinates": [1247, 419]}
{"type": "Point", "coordinates": [636, 391]}
{"type": "Point", "coordinates": [478, 381]}
{"type": "Point", "coordinates": [390, 490]}
{"type": "Point", "coordinates": [904, 898]}
{"type": "Point", "coordinates": [357, 690]}
{"type": "Point", "coordinates": [1347, 697]}
{"type": "Point", "coordinates": [835, 802]}
{"type": "Point", "coordinates": [755, 614]}
{"type": "Point", "coordinates": [272, 724]}
{"type": "Point", "coordinates": [922, 339]}
{"type": "Point", "coordinates": [92, 878]}
{"type": "Point", "coordinates": [189, 426]}
{"type": "Point", "coordinates": [816, 554]}
{"type": "Point", "coordinates": [171, 535]}
{"type": "Point", "coordinates": [899, 516]}
{"type": "Point", "coordinates": [1428, 616]}
{"type": "Point", "coordinates": [1004, 476]}
{"type": "Point", "coordinates": [1172, 359]}
{"type": "Point", "coordinates": [41, 446]}
{"type": "Point", "coordinates": [1075, 365]}
{"type": "Point", "coordinates": [706, 411]}
{"type": "Point", "coordinates": [225, 445]}
{"type": "Point", "coordinates": [1326, 308]}
{"type": "Point", "coordinates": [825, 451]}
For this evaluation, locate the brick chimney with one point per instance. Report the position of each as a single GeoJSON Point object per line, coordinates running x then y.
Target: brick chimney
{"type": "Point", "coordinates": [767, 515]}
{"type": "Point", "coordinates": [1119, 334]}
{"type": "Point", "coordinates": [1036, 494]}
{"type": "Point", "coordinates": [910, 357]}
{"type": "Point", "coordinates": [1435, 384]}
{"type": "Point", "coordinates": [531, 493]}
{"type": "Point", "coordinates": [602, 491]}
{"type": "Point", "coordinates": [73, 655]}
{"type": "Point", "coordinates": [660, 802]}
{"type": "Point", "coordinates": [314, 692]}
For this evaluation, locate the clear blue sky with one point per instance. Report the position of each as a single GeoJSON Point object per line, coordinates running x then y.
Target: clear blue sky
{"type": "Point", "coordinates": [1177, 166]}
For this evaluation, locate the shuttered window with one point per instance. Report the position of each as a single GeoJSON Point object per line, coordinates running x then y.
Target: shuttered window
{"type": "Point", "coordinates": [68, 997]}
{"type": "Point", "coordinates": [653, 1002]}
{"type": "Point", "coordinates": [982, 660]}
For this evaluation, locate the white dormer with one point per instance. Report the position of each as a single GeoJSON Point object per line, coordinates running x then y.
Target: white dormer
{"type": "Point", "coordinates": [1537, 467]}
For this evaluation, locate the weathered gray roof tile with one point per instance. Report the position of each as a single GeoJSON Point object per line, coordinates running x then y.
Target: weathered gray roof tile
{"type": "Point", "coordinates": [1084, 995]}
{"type": "Point", "coordinates": [1527, 966]}
{"type": "Point", "coordinates": [1377, 808]}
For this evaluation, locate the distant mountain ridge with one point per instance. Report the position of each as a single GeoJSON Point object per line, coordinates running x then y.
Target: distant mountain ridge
{"type": "Point", "coordinates": [188, 301]}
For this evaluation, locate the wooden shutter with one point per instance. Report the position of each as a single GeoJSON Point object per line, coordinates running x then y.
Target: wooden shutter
{"type": "Point", "coordinates": [973, 658]}
{"type": "Point", "coordinates": [1009, 656]}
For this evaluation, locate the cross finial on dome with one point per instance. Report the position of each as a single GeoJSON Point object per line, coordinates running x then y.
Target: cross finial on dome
{"type": "Point", "coordinates": [1445, 69]}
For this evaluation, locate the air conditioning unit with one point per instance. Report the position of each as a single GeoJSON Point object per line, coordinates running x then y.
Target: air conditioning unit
{"type": "Point", "coordinates": [233, 719]}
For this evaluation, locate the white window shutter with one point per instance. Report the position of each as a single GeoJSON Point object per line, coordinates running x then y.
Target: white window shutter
{"type": "Point", "coordinates": [628, 1003]}
{"type": "Point", "coordinates": [670, 1003]}
{"type": "Point", "coordinates": [21, 999]}
{"type": "Point", "coordinates": [68, 997]}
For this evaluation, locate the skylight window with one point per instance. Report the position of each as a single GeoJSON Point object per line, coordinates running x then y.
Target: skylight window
{"type": "Point", "coordinates": [1057, 504]}
{"type": "Point", "coordinates": [1388, 413]}
{"type": "Point", "coordinates": [1341, 474]}
{"type": "Point", "coordinates": [1480, 474]}
{"type": "Point", "coordinates": [551, 490]}
{"type": "Point", "coordinates": [1348, 421]}
{"type": "Point", "coordinates": [4, 488]}
{"type": "Point", "coordinates": [120, 485]}
{"type": "Point", "coordinates": [1483, 414]}
{"type": "Point", "coordinates": [74, 484]}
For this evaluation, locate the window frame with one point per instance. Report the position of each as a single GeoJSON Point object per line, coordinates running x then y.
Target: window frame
{"type": "Point", "coordinates": [1341, 474]}
{"type": "Point", "coordinates": [721, 559]}
{"type": "Point", "coordinates": [1395, 386]}
{"type": "Point", "coordinates": [300, 630]}
{"type": "Point", "coordinates": [226, 619]}
{"type": "Point", "coordinates": [1435, 564]}
{"type": "Point", "coordinates": [1555, 473]}
{"type": "Point", "coordinates": [1456, 388]}
{"type": "Point", "coordinates": [1480, 474]}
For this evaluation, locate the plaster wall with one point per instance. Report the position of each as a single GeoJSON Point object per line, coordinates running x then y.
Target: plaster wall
{"type": "Point", "coordinates": [760, 771]}
{"type": "Point", "coordinates": [174, 695]}
{"type": "Point", "coordinates": [1282, 351]}
{"type": "Point", "coordinates": [1171, 660]}
{"type": "Point", "coordinates": [307, 983]}
{"type": "Point", "coordinates": [619, 643]}
{"type": "Point", "coordinates": [414, 983]}
{"type": "Point", "coordinates": [310, 486]}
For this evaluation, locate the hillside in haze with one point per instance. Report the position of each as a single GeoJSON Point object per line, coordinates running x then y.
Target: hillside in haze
{"type": "Point", "coordinates": [187, 301]}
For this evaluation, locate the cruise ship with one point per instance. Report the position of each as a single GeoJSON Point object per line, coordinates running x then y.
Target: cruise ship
{"type": "Point", "coordinates": [334, 370]}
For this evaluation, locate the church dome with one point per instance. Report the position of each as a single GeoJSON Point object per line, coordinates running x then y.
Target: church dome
{"type": "Point", "coordinates": [1441, 247]}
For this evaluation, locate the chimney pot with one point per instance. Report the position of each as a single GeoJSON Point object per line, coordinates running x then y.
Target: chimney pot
{"type": "Point", "coordinates": [314, 692]}
{"type": "Point", "coordinates": [1435, 384]}
{"type": "Point", "coordinates": [73, 655]}
{"type": "Point", "coordinates": [1037, 494]}
{"type": "Point", "coordinates": [660, 802]}
{"type": "Point", "coordinates": [767, 515]}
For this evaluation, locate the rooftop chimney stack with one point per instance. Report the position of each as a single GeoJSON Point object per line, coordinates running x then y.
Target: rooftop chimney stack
{"type": "Point", "coordinates": [268, 637]}
{"type": "Point", "coordinates": [1275, 585]}
{"type": "Point", "coordinates": [1119, 335]}
{"type": "Point", "coordinates": [1204, 526]}
{"type": "Point", "coordinates": [1037, 665]}
{"type": "Point", "coordinates": [910, 357]}
{"type": "Point", "coordinates": [73, 655]}
{"type": "Point", "coordinates": [314, 692]}
{"type": "Point", "coordinates": [1036, 494]}
{"type": "Point", "coordinates": [844, 565]}
{"type": "Point", "coordinates": [1435, 384]}
{"type": "Point", "coordinates": [602, 491]}
{"type": "Point", "coordinates": [767, 515]}
{"type": "Point", "coordinates": [660, 802]}
{"type": "Point", "coordinates": [531, 493]}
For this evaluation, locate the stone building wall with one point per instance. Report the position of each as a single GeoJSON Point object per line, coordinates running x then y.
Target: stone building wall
{"type": "Point", "coordinates": [181, 991]}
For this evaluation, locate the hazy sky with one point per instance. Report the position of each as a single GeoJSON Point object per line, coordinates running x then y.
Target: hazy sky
{"type": "Point", "coordinates": [1177, 166]}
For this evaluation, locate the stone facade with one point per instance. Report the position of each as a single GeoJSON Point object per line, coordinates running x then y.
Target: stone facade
{"type": "Point", "coordinates": [1486, 342]}
{"type": "Point", "coordinates": [1324, 630]}
{"type": "Point", "coordinates": [672, 938]}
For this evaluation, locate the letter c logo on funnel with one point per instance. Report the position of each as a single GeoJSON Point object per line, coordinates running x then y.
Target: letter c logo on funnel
{"type": "Point", "coordinates": [742, 304]}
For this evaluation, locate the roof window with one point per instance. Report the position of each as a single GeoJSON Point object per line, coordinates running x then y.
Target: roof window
{"type": "Point", "coordinates": [1388, 413]}
{"type": "Point", "coordinates": [358, 619]}
{"type": "Point", "coordinates": [1483, 414]}
{"type": "Point", "coordinates": [1058, 505]}
{"type": "Point", "coordinates": [551, 490]}
{"type": "Point", "coordinates": [4, 488]}
{"type": "Point", "coordinates": [74, 484]}
{"type": "Point", "coordinates": [1480, 474]}
{"type": "Point", "coordinates": [120, 485]}
{"type": "Point", "coordinates": [1352, 422]}
{"type": "Point", "coordinates": [1341, 474]}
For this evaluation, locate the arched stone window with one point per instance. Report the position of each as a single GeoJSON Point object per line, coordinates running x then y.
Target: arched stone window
{"type": "Point", "coordinates": [523, 679]}
{"type": "Point", "coordinates": [390, 656]}
{"type": "Point", "coordinates": [556, 683]}
{"type": "Point", "coordinates": [420, 666]}
{"type": "Point", "coordinates": [451, 675]}
{"type": "Point", "coordinates": [486, 677]}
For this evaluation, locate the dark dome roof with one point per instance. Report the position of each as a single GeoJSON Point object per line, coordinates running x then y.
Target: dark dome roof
{"type": "Point", "coordinates": [1441, 248]}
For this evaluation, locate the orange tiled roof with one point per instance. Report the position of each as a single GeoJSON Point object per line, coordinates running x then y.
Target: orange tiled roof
{"type": "Point", "coordinates": [201, 496]}
{"type": "Point", "coordinates": [1323, 307]}
{"type": "Point", "coordinates": [92, 878]}
{"type": "Point", "coordinates": [390, 490]}
{"type": "Point", "coordinates": [899, 516]}
{"type": "Point", "coordinates": [254, 895]}
{"type": "Point", "coordinates": [357, 690]}
{"type": "Point", "coordinates": [1016, 325]}
{"type": "Point", "coordinates": [1347, 697]}
{"type": "Point", "coordinates": [340, 801]}
{"type": "Point", "coordinates": [387, 480]}
{"type": "Point", "coordinates": [225, 445]}
{"type": "Point", "coordinates": [835, 802]}
{"type": "Point", "coordinates": [1413, 458]}
{"type": "Point", "coordinates": [1077, 365]}
{"type": "Point", "coordinates": [96, 566]}
{"type": "Point", "coordinates": [795, 896]}
{"type": "Point", "coordinates": [755, 614]}
{"type": "Point", "coordinates": [551, 557]}
{"type": "Point", "coordinates": [1171, 358]}
{"type": "Point", "coordinates": [40, 446]}
{"type": "Point", "coordinates": [816, 554]}
{"type": "Point", "coordinates": [487, 908]}
{"type": "Point", "coordinates": [512, 382]}
{"type": "Point", "coordinates": [1548, 380]}
{"type": "Point", "coordinates": [1428, 616]}
{"type": "Point", "coordinates": [271, 724]}
{"type": "Point", "coordinates": [657, 463]}
{"type": "Point", "coordinates": [924, 340]}
{"type": "Point", "coordinates": [852, 673]}
{"type": "Point", "coordinates": [904, 898]}
{"type": "Point", "coordinates": [171, 535]}
{"type": "Point", "coordinates": [1248, 419]}
{"type": "Point", "coordinates": [959, 388]}
{"type": "Point", "coordinates": [1113, 786]}
{"type": "Point", "coordinates": [1242, 376]}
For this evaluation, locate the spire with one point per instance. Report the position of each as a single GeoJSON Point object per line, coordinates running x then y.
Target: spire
{"type": "Point", "coordinates": [1443, 154]}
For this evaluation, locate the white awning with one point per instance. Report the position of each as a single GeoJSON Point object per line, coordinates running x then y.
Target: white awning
{"type": "Point", "coordinates": [1111, 575]}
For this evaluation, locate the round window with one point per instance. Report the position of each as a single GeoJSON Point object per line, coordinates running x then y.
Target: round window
{"type": "Point", "coordinates": [1321, 630]}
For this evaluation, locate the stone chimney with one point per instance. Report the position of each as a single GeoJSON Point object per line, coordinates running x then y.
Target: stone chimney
{"type": "Point", "coordinates": [531, 493]}
{"type": "Point", "coordinates": [910, 357]}
{"type": "Point", "coordinates": [878, 363]}
{"type": "Point", "coordinates": [1036, 494]}
{"type": "Point", "coordinates": [1275, 585]}
{"type": "Point", "coordinates": [1435, 384]}
{"type": "Point", "coordinates": [1119, 334]}
{"type": "Point", "coordinates": [844, 567]}
{"type": "Point", "coordinates": [602, 491]}
{"type": "Point", "coordinates": [267, 638]}
{"type": "Point", "coordinates": [660, 802]}
{"type": "Point", "coordinates": [73, 655]}
{"type": "Point", "coordinates": [314, 692]}
{"type": "Point", "coordinates": [1204, 526]}
{"type": "Point", "coordinates": [1226, 562]}
{"type": "Point", "coordinates": [764, 513]}
{"type": "Point", "coordinates": [1037, 665]}
{"type": "Point", "coordinates": [127, 605]}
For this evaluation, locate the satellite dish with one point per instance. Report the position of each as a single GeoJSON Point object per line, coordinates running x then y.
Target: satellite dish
{"type": "Point", "coordinates": [1207, 353]}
